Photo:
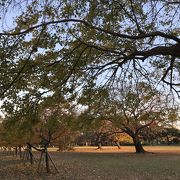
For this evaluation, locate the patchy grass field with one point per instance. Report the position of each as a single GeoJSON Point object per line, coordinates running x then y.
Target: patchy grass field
{"type": "Point", "coordinates": [107, 164]}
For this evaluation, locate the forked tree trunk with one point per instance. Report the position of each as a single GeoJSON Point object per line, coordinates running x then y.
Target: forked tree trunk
{"type": "Point", "coordinates": [138, 146]}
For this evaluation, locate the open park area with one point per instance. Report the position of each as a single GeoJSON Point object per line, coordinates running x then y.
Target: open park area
{"type": "Point", "coordinates": [90, 90]}
{"type": "Point", "coordinates": [86, 163]}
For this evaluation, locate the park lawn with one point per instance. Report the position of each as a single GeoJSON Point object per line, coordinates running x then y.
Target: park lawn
{"type": "Point", "coordinates": [87, 165]}
{"type": "Point", "coordinates": [128, 149]}
{"type": "Point", "coordinates": [124, 149]}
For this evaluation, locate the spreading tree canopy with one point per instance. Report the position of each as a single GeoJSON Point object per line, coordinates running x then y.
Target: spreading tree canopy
{"type": "Point", "coordinates": [133, 109]}
{"type": "Point", "coordinates": [57, 46]}
{"type": "Point", "coordinates": [57, 49]}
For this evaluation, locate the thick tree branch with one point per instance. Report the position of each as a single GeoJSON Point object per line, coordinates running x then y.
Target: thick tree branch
{"type": "Point", "coordinates": [144, 126]}
{"type": "Point", "coordinates": [173, 50]}
{"type": "Point", "coordinates": [121, 35]}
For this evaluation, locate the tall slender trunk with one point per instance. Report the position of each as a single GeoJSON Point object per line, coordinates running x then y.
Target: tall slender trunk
{"type": "Point", "coordinates": [16, 151]}
{"type": "Point", "coordinates": [47, 161]}
{"type": "Point", "coordinates": [30, 153]}
{"type": "Point", "coordinates": [138, 146]}
{"type": "Point", "coordinates": [98, 140]}
{"type": "Point", "coordinates": [20, 151]}
{"type": "Point", "coordinates": [167, 140]}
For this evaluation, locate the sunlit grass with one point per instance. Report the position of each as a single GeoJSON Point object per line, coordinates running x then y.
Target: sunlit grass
{"type": "Point", "coordinates": [126, 149]}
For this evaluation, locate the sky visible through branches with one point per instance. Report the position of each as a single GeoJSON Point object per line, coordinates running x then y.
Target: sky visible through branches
{"type": "Point", "coordinates": [136, 63]}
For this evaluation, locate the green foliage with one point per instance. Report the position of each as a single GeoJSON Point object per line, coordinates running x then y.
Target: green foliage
{"type": "Point", "coordinates": [81, 41]}
{"type": "Point", "coordinates": [64, 52]}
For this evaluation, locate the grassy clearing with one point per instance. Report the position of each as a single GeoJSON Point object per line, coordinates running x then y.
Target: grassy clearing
{"type": "Point", "coordinates": [129, 149]}
{"type": "Point", "coordinates": [107, 165]}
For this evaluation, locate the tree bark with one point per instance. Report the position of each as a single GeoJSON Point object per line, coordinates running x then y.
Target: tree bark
{"type": "Point", "coordinates": [47, 161]}
{"type": "Point", "coordinates": [138, 146]}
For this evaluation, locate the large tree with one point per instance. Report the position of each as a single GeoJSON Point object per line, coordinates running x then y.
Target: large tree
{"type": "Point", "coordinates": [52, 43]}
{"type": "Point", "coordinates": [55, 48]}
{"type": "Point", "coordinates": [138, 107]}
{"type": "Point", "coordinates": [131, 109]}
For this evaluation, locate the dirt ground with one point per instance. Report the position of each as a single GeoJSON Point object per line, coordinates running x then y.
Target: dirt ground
{"type": "Point", "coordinates": [110, 163]}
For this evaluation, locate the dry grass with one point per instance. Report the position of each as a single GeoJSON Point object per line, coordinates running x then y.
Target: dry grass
{"type": "Point", "coordinates": [129, 149]}
{"type": "Point", "coordinates": [108, 164]}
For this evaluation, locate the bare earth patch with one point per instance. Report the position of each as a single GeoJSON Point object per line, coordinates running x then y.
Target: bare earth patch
{"type": "Point", "coordinates": [108, 164]}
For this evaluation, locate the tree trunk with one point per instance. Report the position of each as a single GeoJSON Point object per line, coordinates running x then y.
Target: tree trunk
{"type": "Point", "coordinates": [138, 146]}
{"type": "Point", "coordinates": [16, 151]}
{"type": "Point", "coordinates": [20, 151]}
{"type": "Point", "coordinates": [99, 146]}
{"type": "Point", "coordinates": [98, 140]}
{"type": "Point", "coordinates": [167, 139]}
{"type": "Point", "coordinates": [47, 161]}
{"type": "Point", "coordinates": [118, 145]}
{"type": "Point", "coordinates": [9, 150]}
{"type": "Point", "coordinates": [30, 154]}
